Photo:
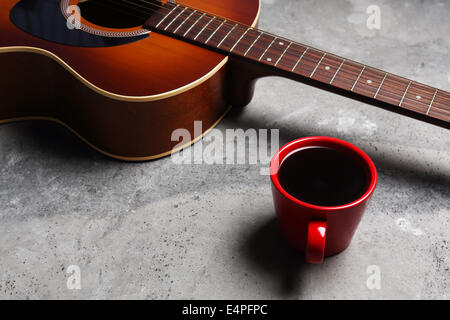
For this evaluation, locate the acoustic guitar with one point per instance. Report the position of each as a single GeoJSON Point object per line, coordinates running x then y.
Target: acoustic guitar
{"type": "Point", "coordinates": [124, 74]}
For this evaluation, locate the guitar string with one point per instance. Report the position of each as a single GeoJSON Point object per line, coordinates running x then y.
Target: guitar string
{"type": "Point", "coordinates": [306, 58]}
{"type": "Point", "coordinates": [342, 71]}
{"type": "Point", "coordinates": [113, 7]}
{"type": "Point", "coordinates": [395, 81]}
{"type": "Point", "coordinates": [366, 90]}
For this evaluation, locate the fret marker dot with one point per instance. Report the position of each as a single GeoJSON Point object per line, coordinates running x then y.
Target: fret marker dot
{"type": "Point", "coordinates": [327, 68]}
{"type": "Point", "coordinates": [269, 59]}
{"type": "Point", "coordinates": [281, 43]}
{"type": "Point", "coordinates": [418, 97]}
{"type": "Point", "coordinates": [369, 81]}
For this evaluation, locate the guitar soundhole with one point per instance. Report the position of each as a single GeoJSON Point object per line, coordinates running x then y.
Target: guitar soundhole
{"type": "Point", "coordinates": [112, 14]}
{"type": "Point", "coordinates": [48, 19]}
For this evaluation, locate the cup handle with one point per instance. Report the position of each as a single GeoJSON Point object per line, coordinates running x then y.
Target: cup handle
{"type": "Point", "coordinates": [315, 247]}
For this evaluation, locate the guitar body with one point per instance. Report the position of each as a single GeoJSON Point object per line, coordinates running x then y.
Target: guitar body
{"type": "Point", "coordinates": [121, 90]}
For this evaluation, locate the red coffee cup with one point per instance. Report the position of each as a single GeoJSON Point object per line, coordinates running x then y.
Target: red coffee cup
{"type": "Point", "coordinates": [319, 230]}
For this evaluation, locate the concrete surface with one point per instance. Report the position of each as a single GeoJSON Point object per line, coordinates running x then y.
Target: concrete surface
{"type": "Point", "coordinates": [161, 230]}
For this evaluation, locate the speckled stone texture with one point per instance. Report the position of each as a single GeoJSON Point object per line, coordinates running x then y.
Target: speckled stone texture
{"type": "Point", "coordinates": [160, 230]}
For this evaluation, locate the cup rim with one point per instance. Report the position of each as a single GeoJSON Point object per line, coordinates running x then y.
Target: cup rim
{"type": "Point", "coordinates": [275, 165]}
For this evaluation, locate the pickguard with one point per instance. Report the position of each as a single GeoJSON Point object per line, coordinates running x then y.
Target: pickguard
{"type": "Point", "coordinates": [45, 19]}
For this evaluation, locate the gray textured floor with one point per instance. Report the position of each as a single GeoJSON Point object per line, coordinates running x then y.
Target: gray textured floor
{"type": "Point", "coordinates": [160, 230]}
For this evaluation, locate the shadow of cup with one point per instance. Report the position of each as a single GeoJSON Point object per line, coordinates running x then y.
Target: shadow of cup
{"type": "Point", "coordinates": [268, 252]}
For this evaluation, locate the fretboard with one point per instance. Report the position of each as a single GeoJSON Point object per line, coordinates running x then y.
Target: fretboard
{"type": "Point", "coordinates": [326, 70]}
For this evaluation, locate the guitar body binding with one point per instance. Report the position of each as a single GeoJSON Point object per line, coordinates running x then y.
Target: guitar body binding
{"type": "Point", "coordinates": [122, 91]}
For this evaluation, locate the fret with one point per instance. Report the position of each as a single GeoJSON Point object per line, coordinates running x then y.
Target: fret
{"type": "Point", "coordinates": [267, 49]}
{"type": "Point", "coordinates": [347, 75]}
{"type": "Point", "coordinates": [249, 48]}
{"type": "Point", "coordinates": [242, 46]}
{"type": "Point", "coordinates": [310, 60]}
{"type": "Point", "coordinates": [379, 88]}
{"type": "Point", "coordinates": [190, 22]}
{"type": "Point", "coordinates": [222, 35]}
{"type": "Point", "coordinates": [165, 17]}
{"type": "Point", "coordinates": [304, 61]}
{"type": "Point", "coordinates": [218, 33]}
{"type": "Point", "coordinates": [185, 20]}
{"type": "Point", "coordinates": [369, 82]}
{"type": "Point", "coordinates": [337, 71]}
{"type": "Point", "coordinates": [404, 95]}
{"type": "Point", "coordinates": [284, 52]}
{"type": "Point", "coordinates": [300, 59]}
{"type": "Point", "coordinates": [432, 100]}
{"type": "Point", "coordinates": [180, 21]}
{"type": "Point", "coordinates": [327, 68]}
{"type": "Point", "coordinates": [418, 97]}
{"type": "Point", "coordinates": [260, 46]}
{"type": "Point", "coordinates": [291, 57]}
{"type": "Point", "coordinates": [229, 32]}
{"type": "Point", "coordinates": [441, 106]}
{"type": "Point", "coordinates": [233, 37]}
{"type": "Point", "coordinates": [215, 31]}
{"type": "Point", "coordinates": [393, 89]}
{"type": "Point", "coordinates": [359, 77]}
{"type": "Point", "coordinates": [194, 24]}
{"type": "Point", "coordinates": [206, 25]}
{"type": "Point", "coordinates": [275, 51]}
{"type": "Point", "coordinates": [240, 38]}
{"type": "Point", "coordinates": [317, 66]}
{"type": "Point", "coordinates": [175, 18]}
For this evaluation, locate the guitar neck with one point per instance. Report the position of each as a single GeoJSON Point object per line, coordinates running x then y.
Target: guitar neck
{"type": "Point", "coordinates": [297, 61]}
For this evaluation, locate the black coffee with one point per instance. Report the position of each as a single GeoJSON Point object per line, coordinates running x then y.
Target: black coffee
{"type": "Point", "coordinates": [323, 176]}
